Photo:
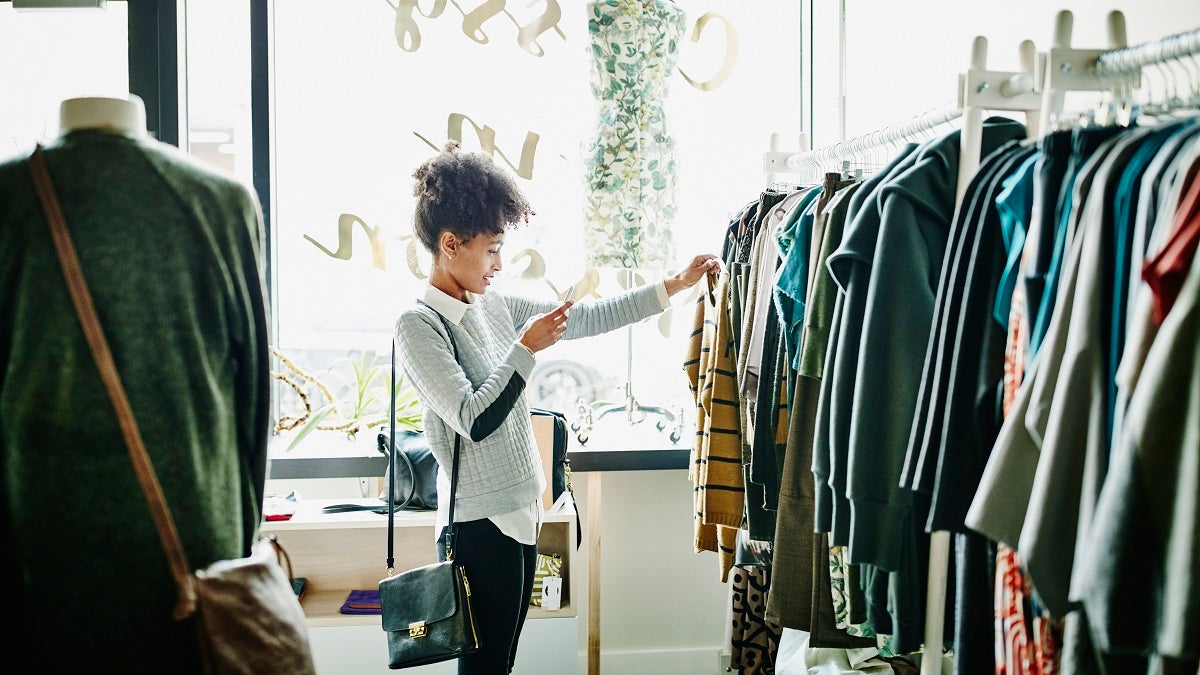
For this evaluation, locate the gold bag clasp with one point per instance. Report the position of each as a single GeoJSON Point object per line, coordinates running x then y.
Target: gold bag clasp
{"type": "Point", "coordinates": [416, 629]}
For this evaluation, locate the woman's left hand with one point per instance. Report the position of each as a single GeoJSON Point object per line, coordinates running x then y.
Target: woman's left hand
{"type": "Point", "coordinates": [690, 275]}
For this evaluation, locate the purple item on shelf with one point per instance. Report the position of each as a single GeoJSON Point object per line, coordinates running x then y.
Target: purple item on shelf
{"type": "Point", "coordinates": [362, 602]}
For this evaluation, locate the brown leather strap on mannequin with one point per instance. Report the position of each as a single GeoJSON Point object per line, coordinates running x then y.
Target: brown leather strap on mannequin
{"type": "Point", "coordinates": [82, 298]}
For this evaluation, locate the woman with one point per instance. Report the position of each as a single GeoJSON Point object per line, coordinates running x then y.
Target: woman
{"type": "Point", "coordinates": [465, 203]}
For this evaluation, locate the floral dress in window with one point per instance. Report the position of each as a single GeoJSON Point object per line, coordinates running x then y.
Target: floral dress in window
{"type": "Point", "coordinates": [629, 166]}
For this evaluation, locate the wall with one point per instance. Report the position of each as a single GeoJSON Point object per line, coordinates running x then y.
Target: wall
{"type": "Point", "coordinates": [663, 606]}
{"type": "Point", "coordinates": [903, 58]}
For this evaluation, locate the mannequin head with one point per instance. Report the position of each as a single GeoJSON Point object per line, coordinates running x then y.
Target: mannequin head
{"type": "Point", "coordinates": [119, 115]}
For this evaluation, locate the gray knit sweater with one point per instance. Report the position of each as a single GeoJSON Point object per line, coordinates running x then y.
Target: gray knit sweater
{"type": "Point", "coordinates": [499, 467]}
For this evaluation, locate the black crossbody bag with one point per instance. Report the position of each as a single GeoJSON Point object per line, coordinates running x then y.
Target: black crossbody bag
{"type": "Point", "coordinates": [427, 613]}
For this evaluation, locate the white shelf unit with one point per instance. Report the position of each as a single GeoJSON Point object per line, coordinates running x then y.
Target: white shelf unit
{"type": "Point", "coordinates": [340, 552]}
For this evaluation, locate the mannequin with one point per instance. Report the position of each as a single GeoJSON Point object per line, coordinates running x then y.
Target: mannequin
{"type": "Point", "coordinates": [173, 255]}
{"type": "Point", "coordinates": [120, 115]}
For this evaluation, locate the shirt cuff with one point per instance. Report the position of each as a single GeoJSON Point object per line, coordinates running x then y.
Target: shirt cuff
{"type": "Point", "coordinates": [527, 349]}
{"type": "Point", "coordinates": [664, 300]}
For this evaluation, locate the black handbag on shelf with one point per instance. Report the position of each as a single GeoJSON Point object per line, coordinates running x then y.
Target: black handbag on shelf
{"type": "Point", "coordinates": [560, 465]}
{"type": "Point", "coordinates": [416, 470]}
{"type": "Point", "coordinates": [413, 465]}
{"type": "Point", "coordinates": [427, 612]}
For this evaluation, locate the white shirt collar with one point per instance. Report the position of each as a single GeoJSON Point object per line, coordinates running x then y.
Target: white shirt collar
{"type": "Point", "coordinates": [451, 308]}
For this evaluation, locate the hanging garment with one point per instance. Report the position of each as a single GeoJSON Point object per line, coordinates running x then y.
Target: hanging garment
{"type": "Point", "coordinates": [956, 376]}
{"type": "Point", "coordinates": [832, 510]}
{"type": "Point", "coordinates": [1138, 577]}
{"type": "Point", "coordinates": [755, 641]}
{"type": "Point", "coordinates": [715, 469]}
{"type": "Point", "coordinates": [897, 311]}
{"type": "Point", "coordinates": [957, 410]}
{"type": "Point", "coordinates": [794, 528]}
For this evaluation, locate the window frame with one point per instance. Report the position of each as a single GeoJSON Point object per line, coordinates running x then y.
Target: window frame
{"type": "Point", "coordinates": [659, 454]}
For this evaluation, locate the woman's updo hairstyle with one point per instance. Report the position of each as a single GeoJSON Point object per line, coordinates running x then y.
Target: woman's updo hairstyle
{"type": "Point", "coordinates": [467, 194]}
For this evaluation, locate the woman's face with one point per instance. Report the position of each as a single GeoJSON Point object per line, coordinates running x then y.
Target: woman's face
{"type": "Point", "coordinates": [474, 264]}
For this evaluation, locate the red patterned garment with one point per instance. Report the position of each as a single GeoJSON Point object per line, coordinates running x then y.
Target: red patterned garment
{"type": "Point", "coordinates": [1012, 644]}
{"type": "Point", "coordinates": [1027, 637]}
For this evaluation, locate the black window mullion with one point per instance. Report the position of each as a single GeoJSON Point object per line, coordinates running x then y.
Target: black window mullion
{"type": "Point", "coordinates": [260, 122]}
{"type": "Point", "coordinates": [154, 65]}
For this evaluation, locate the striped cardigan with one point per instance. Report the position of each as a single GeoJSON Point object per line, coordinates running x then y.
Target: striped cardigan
{"type": "Point", "coordinates": [716, 459]}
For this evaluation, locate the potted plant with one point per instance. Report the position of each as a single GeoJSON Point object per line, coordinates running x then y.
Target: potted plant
{"type": "Point", "coordinates": [362, 400]}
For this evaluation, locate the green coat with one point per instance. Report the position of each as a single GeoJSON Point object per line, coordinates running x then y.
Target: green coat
{"type": "Point", "coordinates": [173, 254]}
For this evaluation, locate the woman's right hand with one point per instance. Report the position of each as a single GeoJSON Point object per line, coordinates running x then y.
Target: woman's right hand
{"type": "Point", "coordinates": [545, 329]}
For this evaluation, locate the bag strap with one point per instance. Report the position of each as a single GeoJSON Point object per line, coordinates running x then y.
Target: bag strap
{"type": "Point", "coordinates": [391, 488]}
{"type": "Point", "coordinates": [450, 529]}
{"type": "Point", "coordinates": [412, 470]}
{"type": "Point", "coordinates": [81, 297]}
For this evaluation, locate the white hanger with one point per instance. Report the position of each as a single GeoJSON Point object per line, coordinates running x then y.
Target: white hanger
{"type": "Point", "coordinates": [119, 115]}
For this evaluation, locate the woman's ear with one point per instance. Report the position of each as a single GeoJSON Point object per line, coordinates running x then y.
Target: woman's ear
{"type": "Point", "coordinates": [448, 243]}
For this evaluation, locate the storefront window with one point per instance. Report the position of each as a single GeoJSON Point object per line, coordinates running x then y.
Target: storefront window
{"type": "Point", "coordinates": [218, 84]}
{"type": "Point", "coordinates": [559, 92]}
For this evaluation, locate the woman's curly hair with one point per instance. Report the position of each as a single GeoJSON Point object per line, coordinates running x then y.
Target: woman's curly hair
{"type": "Point", "coordinates": [467, 194]}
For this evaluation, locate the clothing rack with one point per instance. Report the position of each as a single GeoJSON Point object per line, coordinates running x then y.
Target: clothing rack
{"type": "Point", "coordinates": [1133, 59]}
{"type": "Point", "coordinates": [1113, 70]}
{"type": "Point", "coordinates": [795, 162]}
{"type": "Point", "coordinates": [980, 87]}
{"type": "Point", "coordinates": [1037, 90]}
{"type": "Point", "coordinates": [1071, 69]}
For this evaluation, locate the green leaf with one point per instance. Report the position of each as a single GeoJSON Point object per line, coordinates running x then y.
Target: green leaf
{"type": "Point", "coordinates": [316, 418]}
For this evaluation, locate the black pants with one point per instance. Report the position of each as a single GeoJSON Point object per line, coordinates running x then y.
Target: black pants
{"type": "Point", "coordinates": [500, 570]}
